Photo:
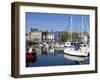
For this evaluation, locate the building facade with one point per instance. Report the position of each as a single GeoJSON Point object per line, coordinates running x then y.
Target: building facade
{"type": "Point", "coordinates": [48, 36]}
{"type": "Point", "coordinates": [57, 36]}
{"type": "Point", "coordinates": [28, 36]}
{"type": "Point", "coordinates": [36, 35]}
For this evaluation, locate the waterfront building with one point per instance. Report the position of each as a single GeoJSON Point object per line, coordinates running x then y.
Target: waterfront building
{"type": "Point", "coordinates": [28, 36]}
{"type": "Point", "coordinates": [85, 37]}
{"type": "Point", "coordinates": [57, 36]}
{"type": "Point", "coordinates": [44, 36]}
{"type": "Point", "coordinates": [50, 37]}
{"type": "Point", "coordinates": [36, 35]}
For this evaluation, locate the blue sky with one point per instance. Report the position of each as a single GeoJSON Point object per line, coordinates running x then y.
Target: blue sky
{"type": "Point", "coordinates": [56, 22]}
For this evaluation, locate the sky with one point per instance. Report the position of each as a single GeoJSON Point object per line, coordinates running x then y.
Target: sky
{"type": "Point", "coordinates": [56, 22]}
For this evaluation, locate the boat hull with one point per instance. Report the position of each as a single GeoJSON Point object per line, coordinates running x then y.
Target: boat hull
{"type": "Point", "coordinates": [76, 53]}
{"type": "Point", "coordinates": [75, 58]}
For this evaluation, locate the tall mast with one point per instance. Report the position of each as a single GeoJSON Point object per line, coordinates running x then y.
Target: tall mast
{"type": "Point", "coordinates": [82, 29]}
{"type": "Point", "coordinates": [71, 26]}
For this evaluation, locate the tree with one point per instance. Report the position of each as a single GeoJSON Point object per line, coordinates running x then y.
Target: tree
{"type": "Point", "coordinates": [64, 36]}
{"type": "Point", "coordinates": [75, 36]}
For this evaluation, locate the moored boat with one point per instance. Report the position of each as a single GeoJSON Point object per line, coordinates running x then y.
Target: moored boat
{"type": "Point", "coordinates": [31, 55]}
{"type": "Point", "coordinates": [76, 50]}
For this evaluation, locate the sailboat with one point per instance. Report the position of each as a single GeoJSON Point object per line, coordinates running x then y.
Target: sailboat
{"type": "Point", "coordinates": [71, 50]}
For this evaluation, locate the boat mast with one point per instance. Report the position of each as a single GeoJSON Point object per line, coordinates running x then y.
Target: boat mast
{"type": "Point", "coordinates": [82, 29]}
{"type": "Point", "coordinates": [68, 27]}
{"type": "Point", "coordinates": [71, 26]}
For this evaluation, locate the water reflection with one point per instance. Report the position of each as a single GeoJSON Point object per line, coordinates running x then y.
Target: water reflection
{"type": "Point", "coordinates": [30, 58]}
{"type": "Point", "coordinates": [52, 57]}
{"type": "Point", "coordinates": [76, 59]}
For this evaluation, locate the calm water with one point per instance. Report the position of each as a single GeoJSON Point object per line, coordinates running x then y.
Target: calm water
{"type": "Point", "coordinates": [54, 57]}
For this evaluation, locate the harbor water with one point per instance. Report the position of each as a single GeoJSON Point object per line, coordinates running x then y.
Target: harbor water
{"type": "Point", "coordinates": [54, 57]}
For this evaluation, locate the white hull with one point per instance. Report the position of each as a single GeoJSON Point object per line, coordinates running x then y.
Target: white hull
{"type": "Point", "coordinates": [79, 52]}
{"type": "Point", "coordinates": [74, 58]}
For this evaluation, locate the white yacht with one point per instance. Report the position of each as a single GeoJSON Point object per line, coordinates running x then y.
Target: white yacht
{"type": "Point", "coordinates": [75, 50]}
{"type": "Point", "coordinates": [69, 49]}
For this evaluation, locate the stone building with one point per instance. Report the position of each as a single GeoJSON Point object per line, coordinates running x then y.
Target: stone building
{"type": "Point", "coordinates": [48, 36]}
{"type": "Point", "coordinates": [36, 35]}
{"type": "Point", "coordinates": [28, 36]}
